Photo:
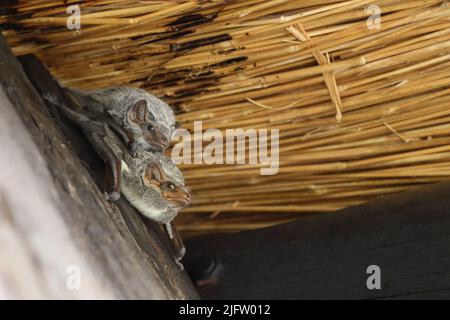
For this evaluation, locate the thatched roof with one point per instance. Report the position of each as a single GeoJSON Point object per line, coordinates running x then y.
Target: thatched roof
{"type": "Point", "coordinates": [362, 111]}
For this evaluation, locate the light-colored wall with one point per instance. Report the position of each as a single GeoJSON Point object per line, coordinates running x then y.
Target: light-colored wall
{"type": "Point", "coordinates": [36, 248]}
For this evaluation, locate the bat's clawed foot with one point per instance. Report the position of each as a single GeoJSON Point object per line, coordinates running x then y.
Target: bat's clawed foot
{"type": "Point", "coordinates": [179, 264]}
{"type": "Point", "coordinates": [112, 196]}
{"type": "Point", "coordinates": [181, 252]}
{"type": "Point", "coordinates": [50, 97]}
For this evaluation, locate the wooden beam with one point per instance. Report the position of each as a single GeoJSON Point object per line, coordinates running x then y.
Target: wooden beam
{"type": "Point", "coordinates": [326, 256]}
{"type": "Point", "coordinates": [54, 216]}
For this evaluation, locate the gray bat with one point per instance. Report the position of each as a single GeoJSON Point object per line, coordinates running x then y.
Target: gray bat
{"type": "Point", "coordinates": [142, 120]}
{"type": "Point", "coordinates": [149, 181]}
{"type": "Point", "coordinates": [154, 186]}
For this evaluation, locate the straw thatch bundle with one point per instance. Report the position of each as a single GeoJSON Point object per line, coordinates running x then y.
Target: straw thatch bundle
{"type": "Point", "coordinates": [362, 111]}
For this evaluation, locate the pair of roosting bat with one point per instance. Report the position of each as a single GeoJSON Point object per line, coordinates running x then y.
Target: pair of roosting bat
{"type": "Point", "coordinates": [130, 128]}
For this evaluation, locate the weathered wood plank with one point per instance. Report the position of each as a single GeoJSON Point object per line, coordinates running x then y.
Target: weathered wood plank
{"type": "Point", "coordinates": [51, 202]}
{"type": "Point", "coordinates": [326, 256]}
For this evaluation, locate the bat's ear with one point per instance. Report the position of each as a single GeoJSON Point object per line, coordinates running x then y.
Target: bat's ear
{"type": "Point", "coordinates": [153, 173]}
{"type": "Point", "coordinates": [138, 112]}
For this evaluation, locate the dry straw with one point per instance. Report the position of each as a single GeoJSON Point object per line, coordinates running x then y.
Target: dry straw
{"type": "Point", "coordinates": [362, 112]}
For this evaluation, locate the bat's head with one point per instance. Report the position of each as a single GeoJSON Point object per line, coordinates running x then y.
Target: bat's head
{"type": "Point", "coordinates": [147, 120]}
{"type": "Point", "coordinates": [173, 191]}
{"type": "Point", "coordinates": [155, 186]}
{"type": "Point", "coordinates": [151, 124]}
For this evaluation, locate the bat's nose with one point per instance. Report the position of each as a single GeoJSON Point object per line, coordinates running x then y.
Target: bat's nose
{"type": "Point", "coordinates": [185, 198]}
{"type": "Point", "coordinates": [188, 198]}
{"type": "Point", "coordinates": [165, 142]}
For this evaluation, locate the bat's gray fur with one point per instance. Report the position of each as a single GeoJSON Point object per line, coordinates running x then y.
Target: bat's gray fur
{"type": "Point", "coordinates": [117, 103]}
{"type": "Point", "coordinates": [149, 181]}
{"type": "Point", "coordinates": [146, 198]}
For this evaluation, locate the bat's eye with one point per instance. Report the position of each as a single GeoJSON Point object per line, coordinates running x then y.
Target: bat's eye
{"type": "Point", "coordinates": [171, 186]}
{"type": "Point", "coordinates": [149, 127]}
